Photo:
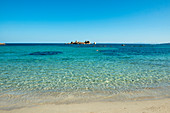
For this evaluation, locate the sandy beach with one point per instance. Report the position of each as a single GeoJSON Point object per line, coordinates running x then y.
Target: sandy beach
{"type": "Point", "coordinates": [148, 106]}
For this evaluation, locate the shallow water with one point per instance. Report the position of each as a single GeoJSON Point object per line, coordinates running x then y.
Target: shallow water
{"type": "Point", "coordinates": [82, 73]}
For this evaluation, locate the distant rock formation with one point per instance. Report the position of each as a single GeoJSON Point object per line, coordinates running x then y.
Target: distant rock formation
{"type": "Point", "coordinates": [2, 43]}
{"type": "Point", "coordinates": [76, 42]}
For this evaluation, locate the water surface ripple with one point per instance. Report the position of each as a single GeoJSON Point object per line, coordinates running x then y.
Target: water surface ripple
{"type": "Point", "coordinates": [80, 73]}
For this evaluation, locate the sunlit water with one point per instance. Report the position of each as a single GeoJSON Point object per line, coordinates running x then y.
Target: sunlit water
{"type": "Point", "coordinates": [40, 74]}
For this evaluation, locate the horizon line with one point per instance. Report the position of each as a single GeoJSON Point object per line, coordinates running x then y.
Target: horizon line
{"type": "Point", "coordinates": [92, 43]}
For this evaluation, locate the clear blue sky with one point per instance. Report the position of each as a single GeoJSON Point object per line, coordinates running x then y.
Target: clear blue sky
{"type": "Point", "coordinates": [112, 21]}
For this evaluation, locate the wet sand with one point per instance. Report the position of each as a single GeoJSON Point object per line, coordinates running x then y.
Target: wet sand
{"type": "Point", "coordinates": [147, 106]}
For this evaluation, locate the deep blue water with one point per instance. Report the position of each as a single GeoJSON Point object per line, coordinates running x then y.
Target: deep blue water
{"type": "Point", "coordinates": [58, 73]}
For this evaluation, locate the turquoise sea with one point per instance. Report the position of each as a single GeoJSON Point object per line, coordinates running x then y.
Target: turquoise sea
{"type": "Point", "coordinates": [34, 74]}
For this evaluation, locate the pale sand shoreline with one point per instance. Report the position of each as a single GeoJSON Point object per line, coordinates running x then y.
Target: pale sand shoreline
{"type": "Point", "coordinates": [149, 106]}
